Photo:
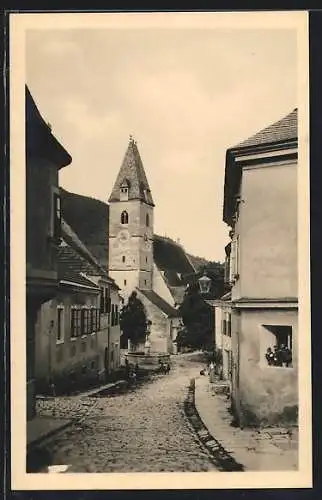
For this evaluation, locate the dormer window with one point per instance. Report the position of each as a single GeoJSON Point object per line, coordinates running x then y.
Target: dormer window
{"type": "Point", "coordinates": [124, 217]}
{"type": "Point", "coordinates": [124, 191]}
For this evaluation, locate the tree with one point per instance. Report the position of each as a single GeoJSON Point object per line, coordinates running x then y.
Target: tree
{"type": "Point", "coordinates": [197, 317]}
{"type": "Point", "coordinates": [133, 320]}
{"type": "Point", "coordinates": [196, 313]}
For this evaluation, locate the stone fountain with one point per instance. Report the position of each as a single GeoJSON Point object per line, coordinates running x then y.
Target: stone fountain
{"type": "Point", "coordinates": [143, 356]}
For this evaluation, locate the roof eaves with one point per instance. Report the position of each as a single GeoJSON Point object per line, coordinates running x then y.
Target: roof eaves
{"type": "Point", "coordinates": [265, 147]}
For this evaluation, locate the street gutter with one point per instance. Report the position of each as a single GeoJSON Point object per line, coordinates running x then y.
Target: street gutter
{"type": "Point", "coordinates": [220, 457]}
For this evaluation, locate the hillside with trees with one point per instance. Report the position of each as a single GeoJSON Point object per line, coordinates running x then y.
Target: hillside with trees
{"type": "Point", "coordinates": [89, 218]}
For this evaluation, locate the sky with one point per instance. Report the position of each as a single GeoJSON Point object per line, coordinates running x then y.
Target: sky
{"type": "Point", "coordinates": [186, 95]}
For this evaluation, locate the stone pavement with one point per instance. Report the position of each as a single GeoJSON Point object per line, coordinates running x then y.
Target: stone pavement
{"type": "Point", "coordinates": [54, 414]}
{"type": "Point", "coordinates": [144, 429]}
{"type": "Point", "coordinates": [258, 450]}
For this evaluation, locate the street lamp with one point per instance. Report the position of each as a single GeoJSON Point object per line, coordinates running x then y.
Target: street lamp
{"type": "Point", "coordinates": [204, 284]}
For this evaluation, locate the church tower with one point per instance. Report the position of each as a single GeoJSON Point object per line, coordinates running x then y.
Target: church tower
{"type": "Point", "coordinates": [131, 225]}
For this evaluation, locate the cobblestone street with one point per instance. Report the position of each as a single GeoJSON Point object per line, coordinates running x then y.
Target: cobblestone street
{"type": "Point", "coordinates": [139, 431]}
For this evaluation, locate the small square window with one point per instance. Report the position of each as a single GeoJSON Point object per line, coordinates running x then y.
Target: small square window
{"type": "Point", "coordinates": [277, 345]}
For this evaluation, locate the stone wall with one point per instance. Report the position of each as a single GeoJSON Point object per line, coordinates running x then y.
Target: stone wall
{"type": "Point", "coordinates": [160, 336]}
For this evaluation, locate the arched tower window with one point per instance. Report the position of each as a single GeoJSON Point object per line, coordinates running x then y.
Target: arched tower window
{"type": "Point", "coordinates": [124, 217]}
{"type": "Point", "coordinates": [147, 220]}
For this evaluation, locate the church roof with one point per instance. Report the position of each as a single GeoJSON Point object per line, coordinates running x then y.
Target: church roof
{"type": "Point", "coordinates": [160, 303]}
{"type": "Point", "coordinates": [132, 175]}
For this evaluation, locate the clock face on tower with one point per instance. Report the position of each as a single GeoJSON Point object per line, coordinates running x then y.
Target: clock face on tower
{"type": "Point", "coordinates": [123, 236]}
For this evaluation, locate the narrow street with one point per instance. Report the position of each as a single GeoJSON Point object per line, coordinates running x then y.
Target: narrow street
{"type": "Point", "coordinates": [143, 430]}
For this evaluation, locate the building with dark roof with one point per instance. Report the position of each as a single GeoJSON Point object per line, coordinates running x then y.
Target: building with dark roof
{"type": "Point", "coordinates": [45, 156]}
{"type": "Point", "coordinates": [260, 208]}
{"type": "Point", "coordinates": [156, 267]}
{"type": "Point", "coordinates": [78, 332]}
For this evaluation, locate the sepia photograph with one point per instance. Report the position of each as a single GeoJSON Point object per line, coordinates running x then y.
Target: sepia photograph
{"type": "Point", "coordinates": [160, 306]}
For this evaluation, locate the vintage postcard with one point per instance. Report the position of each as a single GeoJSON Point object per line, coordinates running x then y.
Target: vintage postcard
{"type": "Point", "coordinates": [160, 297]}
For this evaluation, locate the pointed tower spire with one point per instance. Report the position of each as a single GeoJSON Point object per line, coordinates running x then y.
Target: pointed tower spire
{"type": "Point", "coordinates": [132, 175]}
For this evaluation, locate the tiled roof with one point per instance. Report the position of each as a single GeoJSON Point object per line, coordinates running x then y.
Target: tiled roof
{"type": "Point", "coordinates": [89, 219]}
{"type": "Point", "coordinates": [133, 175]}
{"type": "Point", "coordinates": [87, 263]}
{"type": "Point", "coordinates": [69, 259]}
{"type": "Point", "coordinates": [282, 130]}
{"type": "Point", "coordinates": [71, 265]}
{"type": "Point", "coordinates": [160, 303]}
{"type": "Point", "coordinates": [74, 259]}
{"type": "Point", "coordinates": [77, 279]}
{"type": "Point", "coordinates": [273, 136]}
{"type": "Point", "coordinates": [40, 141]}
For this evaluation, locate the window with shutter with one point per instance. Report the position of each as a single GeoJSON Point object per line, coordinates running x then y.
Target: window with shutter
{"type": "Point", "coordinates": [81, 322]}
{"type": "Point", "coordinates": [98, 320]}
{"type": "Point", "coordinates": [73, 323]}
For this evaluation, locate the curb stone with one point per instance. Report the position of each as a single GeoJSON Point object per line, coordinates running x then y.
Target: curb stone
{"type": "Point", "coordinates": [49, 436]}
{"type": "Point", "coordinates": [220, 457]}
{"type": "Point", "coordinates": [86, 400]}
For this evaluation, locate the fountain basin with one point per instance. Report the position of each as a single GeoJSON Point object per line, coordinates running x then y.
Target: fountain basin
{"type": "Point", "coordinates": [147, 361]}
